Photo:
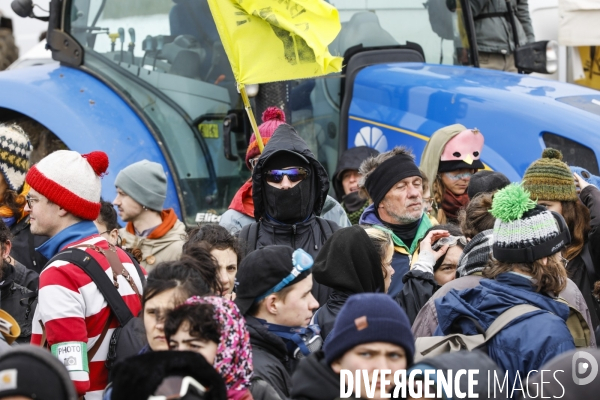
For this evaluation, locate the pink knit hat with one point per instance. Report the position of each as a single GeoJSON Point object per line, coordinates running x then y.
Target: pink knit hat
{"type": "Point", "coordinates": [272, 118]}
{"type": "Point", "coordinates": [71, 180]}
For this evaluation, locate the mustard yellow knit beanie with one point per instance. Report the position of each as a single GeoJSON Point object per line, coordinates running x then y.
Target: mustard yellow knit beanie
{"type": "Point", "coordinates": [549, 178]}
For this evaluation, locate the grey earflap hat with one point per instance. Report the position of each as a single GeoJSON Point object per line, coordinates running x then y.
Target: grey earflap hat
{"type": "Point", "coordinates": [145, 182]}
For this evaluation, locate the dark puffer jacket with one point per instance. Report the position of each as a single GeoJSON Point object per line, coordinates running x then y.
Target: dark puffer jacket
{"type": "Point", "coordinates": [310, 234]}
{"type": "Point", "coordinates": [315, 380]}
{"type": "Point", "coordinates": [269, 356]}
{"type": "Point", "coordinates": [24, 244]}
{"type": "Point", "coordinates": [585, 273]}
{"type": "Point", "coordinates": [19, 296]}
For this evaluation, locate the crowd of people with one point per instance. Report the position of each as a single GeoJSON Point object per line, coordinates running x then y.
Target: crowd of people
{"type": "Point", "coordinates": [400, 269]}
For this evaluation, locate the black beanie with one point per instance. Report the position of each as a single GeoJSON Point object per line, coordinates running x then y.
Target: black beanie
{"type": "Point", "coordinates": [262, 270]}
{"type": "Point", "coordinates": [388, 173]}
{"type": "Point", "coordinates": [35, 373]}
{"type": "Point", "coordinates": [486, 181]}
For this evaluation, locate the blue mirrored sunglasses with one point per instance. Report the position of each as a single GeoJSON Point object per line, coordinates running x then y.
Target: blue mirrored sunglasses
{"type": "Point", "coordinates": [293, 174]}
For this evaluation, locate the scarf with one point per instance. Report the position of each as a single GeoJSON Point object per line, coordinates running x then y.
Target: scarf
{"type": "Point", "coordinates": [243, 202]}
{"type": "Point", "coordinates": [234, 354]}
{"type": "Point", "coordinates": [169, 218]}
{"type": "Point", "coordinates": [452, 203]}
{"type": "Point", "coordinates": [406, 232]}
{"type": "Point", "coordinates": [7, 214]}
{"type": "Point", "coordinates": [476, 254]}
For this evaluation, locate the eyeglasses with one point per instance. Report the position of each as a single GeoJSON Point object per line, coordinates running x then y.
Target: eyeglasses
{"type": "Point", "coordinates": [302, 261]}
{"type": "Point", "coordinates": [564, 260]}
{"type": "Point", "coordinates": [428, 201]}
{"type": "Point", "coordinates": [450, 241]}
{"type": "Point", "coordinates": [293, 174]}
{"type": "Point", "coordinates": [31, 201]}
{"type": "Point", "coordinates": [457, 177]}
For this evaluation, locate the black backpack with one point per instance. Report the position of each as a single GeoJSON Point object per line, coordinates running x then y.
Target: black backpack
{"type": "Point", "coordinates": [130, 337]}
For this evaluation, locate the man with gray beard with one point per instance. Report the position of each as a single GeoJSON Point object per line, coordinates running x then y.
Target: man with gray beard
{"type": "Point", "coordinates": [394, 183]}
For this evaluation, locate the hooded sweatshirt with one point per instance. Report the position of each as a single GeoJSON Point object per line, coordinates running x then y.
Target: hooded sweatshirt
{"type": "Point", "coordinates": [308, 234]}
{"type": "Point", "coordinates": [527, 342]}
{"type": "Point", "coordinates": [353, 204]}
{"type": "Point", "coordinates": [165, 243]}
{"type": "Point", "coordinates": [349, 264]}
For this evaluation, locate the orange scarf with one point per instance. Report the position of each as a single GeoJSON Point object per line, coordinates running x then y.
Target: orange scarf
{"type": "Point", "coordinates": [169, 218]}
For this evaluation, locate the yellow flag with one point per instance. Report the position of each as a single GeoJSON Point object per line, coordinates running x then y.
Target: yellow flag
{"type": "Point", "coordinates": [277, 40]}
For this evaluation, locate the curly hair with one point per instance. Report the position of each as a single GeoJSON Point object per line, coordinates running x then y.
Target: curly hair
{"type": "Point", "coordinates": [214, 236]}
{"type": "Point", "coordinates": [200, 318]}
{"type": "Point", "coordinates": [369, 165]}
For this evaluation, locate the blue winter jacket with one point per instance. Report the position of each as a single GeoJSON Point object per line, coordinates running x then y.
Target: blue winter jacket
{"type": "Point", "coordinates": [402, 254]}
{"type": "Point", "coordinates": [527, 342]}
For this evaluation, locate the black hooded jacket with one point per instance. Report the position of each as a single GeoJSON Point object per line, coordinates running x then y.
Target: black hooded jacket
{"type": "Point", "coordinates": [349, 264]}
{"type": "Point", "coordinates": [315, 380]}
{"type": "Point", "coordinates": [270, 358]}
{"type": "Point", "coordinates": [310, 234]}
{"type": "Point", "coordinates": [350, 160]}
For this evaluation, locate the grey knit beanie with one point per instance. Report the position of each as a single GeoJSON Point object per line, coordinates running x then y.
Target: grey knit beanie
{"type": "Point", "coordinates": [145, 182]}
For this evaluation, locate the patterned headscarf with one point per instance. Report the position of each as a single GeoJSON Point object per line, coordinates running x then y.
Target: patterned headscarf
{"type": "Point", "coordinates": [234, 353]}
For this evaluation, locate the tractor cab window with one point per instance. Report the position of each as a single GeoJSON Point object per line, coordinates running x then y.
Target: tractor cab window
{"type": "Point", "coordinates": [166, 58]}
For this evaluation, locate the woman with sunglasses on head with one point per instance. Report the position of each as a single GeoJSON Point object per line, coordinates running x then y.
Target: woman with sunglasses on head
{"type": "Point", "coordinates": [553, 185]}
{"type": "Point", "coordinates": [14, 164]}
{"type": "Point", "coordinates": [435, 265]}
{"type": "Point", "coordinates": [450, 158]}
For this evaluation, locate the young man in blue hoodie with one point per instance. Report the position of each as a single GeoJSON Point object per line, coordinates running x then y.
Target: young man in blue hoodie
{"type": "Point", "coordinates": [528, 268]}
{"type": "Point", "coordinates": [395, 184]}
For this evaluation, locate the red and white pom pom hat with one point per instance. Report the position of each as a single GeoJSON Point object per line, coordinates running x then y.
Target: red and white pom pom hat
{"type": "Point", "coordinates": [71, 180]}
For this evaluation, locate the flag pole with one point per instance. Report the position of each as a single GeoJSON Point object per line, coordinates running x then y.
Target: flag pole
{"type": "Point", "coordinates": [246, 100]}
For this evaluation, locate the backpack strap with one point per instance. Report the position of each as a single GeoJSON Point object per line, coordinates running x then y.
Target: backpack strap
{"type": "Point", "coordinates": [506, 317]}
{"type": "Point", "coordinates": [325, 226]}
{"type": "Point", "coordinates": [91, 267]}
{"type": "Point", "coordinates": [589, 264]}
{"type": "Point", "coordinates": [578, 326]}
{"type": "Point", "coordinates": [249, 236]}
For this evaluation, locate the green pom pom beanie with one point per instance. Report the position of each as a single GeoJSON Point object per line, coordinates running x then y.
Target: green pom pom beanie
{"type": "Point", "coordinates": [549, 178]}
{"type": "Point", "coordinates": [523, 231]}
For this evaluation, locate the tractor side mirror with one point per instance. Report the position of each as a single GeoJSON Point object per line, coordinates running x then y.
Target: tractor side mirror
{"type": "Point", "coordinates": [23, 8]}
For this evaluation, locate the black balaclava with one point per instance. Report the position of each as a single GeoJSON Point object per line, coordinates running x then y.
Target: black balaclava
{"type": "Point", "coordinates": [292, 205]}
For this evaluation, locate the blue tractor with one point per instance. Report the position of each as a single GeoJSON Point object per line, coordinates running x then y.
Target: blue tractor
{"type": "Point", "coordinates": [149, 79]}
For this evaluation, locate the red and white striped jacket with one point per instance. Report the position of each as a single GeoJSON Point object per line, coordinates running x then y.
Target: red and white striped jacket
{"type": "Point", "coordinates": [71, 308]}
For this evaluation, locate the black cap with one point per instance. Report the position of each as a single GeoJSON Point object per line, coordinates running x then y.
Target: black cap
{"type": "Point", "coordinates": [34, 373]}
{"type": "Point", "coordinates": [285, 159]}
{"type": "Point", "coordinates": [486, 181]}
{"type": "Point", "coordinates": [262, 270]}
